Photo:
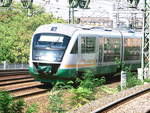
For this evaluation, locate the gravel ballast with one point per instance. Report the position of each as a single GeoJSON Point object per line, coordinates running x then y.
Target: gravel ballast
{"type": "Point", "coordinates": [138, 105]}
{"type": "Point", "coordinates": [92, 106]}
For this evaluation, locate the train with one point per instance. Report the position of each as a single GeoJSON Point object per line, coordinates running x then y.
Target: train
{"type": "Point", "coordinates": [60, 51]}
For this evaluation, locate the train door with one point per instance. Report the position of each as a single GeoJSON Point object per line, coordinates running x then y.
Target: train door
{"type": "Point", "coordinates": [100, 50]}
{"type": "Point", "coordinates": [87, 51]}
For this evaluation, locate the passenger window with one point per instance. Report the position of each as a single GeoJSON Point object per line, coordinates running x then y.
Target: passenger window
{"type": "Point", "coordinates": [111, 49]}
{"type": "Point", "coordinates": [75, 48]}
{"type": "Point", "coordinates": [132, 47]}
{"type": "Point", "coordinates": [88, 44]}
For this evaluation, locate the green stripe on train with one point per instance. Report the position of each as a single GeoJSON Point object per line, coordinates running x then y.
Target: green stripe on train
{"type": "Point", "coordinates": [71, 73]}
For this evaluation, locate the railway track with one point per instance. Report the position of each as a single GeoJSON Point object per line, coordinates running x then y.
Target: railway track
{"type": "Point", "coordinates": [14, 72]}
{"type": "Point", "coordinates": [122, 101]}
{"type": "Point", "coordinates": [20, 84]}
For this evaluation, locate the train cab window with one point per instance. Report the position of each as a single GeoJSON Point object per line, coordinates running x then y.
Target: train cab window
{"type": "Point", "coordinates": [132, 47]}
{"type": "Point", "coordinates": [111, 49]}
{"type": "Point", "coordinates": [88, 44]}
{"type": "Point", "coordinates": [75, 48]}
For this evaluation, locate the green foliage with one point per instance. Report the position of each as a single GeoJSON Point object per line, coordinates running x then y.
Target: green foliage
{"type": "Point", "coordinates": [120, 64]}
{"type": "Point", "coordinates": [132, 79]}
{"type": "Point", "coordinates": [119, 88]}
{"type": "Point", "coordinates": [55, 103]}
{"type": "Point", "coordinates": [16, 30]}
{"type": "Point", "coordinates": [8, 105]}
{"type": "Point", "coordinates": [6, 3]}
{"type": "Point", "coordinates": [73, 3]}
{"type": "Point", "coordinates": [147, 80]}
{"type": "Point", "coordinates": [83, 91]}
{"type": "Point", "coordinates": [86, 89]}
{"type": "Point", "coordinates": [33, 108]}
{"type": "Point", "coordinates": [27, 3]}
{"type": "Point", "coordinates": [81, 96]}
{"type": "Point", "coordinates": [108, 90]}
{"type": "Point", "coordinates": [81, 3]}
{"type": "Point", "coordinates": [18, 106]}
{"type": "Point", "coordinates": [136, 1]}
{"type": "Point", "coordinates": [63, 85]}
{"type": "Point", "coordinates": [5, 102]}
{"type": "Point", "coordinates": [89, 81]}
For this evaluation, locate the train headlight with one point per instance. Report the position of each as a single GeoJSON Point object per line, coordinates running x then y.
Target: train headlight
{"type": "Point", "coordinates": [48, 58]}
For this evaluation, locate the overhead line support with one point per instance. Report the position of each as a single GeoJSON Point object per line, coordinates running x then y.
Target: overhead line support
{"type": "Point", "coordinates": [145, 62]}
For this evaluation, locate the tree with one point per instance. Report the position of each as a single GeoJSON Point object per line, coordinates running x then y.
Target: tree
{"type": "Point", "coordinates": [73, 3]}
{"type": "Point", "coordinates": [84, 3]}
{"type": "Point", "coordinates": [134, 2]}
{"type": "Point", "coordinates": [81, 3]}
{"type": "Point", "coordinates": [5, 3]}
{"type": "Point", "coordinates": [16, 30]}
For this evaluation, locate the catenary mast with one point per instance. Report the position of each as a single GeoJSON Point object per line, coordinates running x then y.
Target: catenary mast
{"type": "Point", "coordinates": [145, 62]}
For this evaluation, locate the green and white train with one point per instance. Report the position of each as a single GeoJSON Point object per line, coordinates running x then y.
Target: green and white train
{"type": "Point", "coordinates": [59, 51]}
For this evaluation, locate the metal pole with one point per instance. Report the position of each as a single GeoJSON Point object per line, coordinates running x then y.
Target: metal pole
{"type": "Point", "coordinates": [145, 41]}
{"type": "Point", "coordinates": [72, 15]}
{"type": "Point", "coordinates": [5, 63]}
{"type": "Point", "coordinates": [69, 15]}
{"type": "Point", "coordinates": [143, 30]}
{"type": "Point", "coordinates": [148, 43]}
{"type": "Point", "coordinates": [123, 79]}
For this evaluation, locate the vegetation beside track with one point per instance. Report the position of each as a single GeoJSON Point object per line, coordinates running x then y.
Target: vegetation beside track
{"type": "Point", "coordinates": [16, 30]}
{"type": "Point", "coordinates": [65, 96]}
{"type": "Point", "coordinates": [8, 105]}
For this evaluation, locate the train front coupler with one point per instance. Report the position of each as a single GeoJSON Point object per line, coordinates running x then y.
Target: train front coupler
{"type": "Point", "coordinates": [44, 69]}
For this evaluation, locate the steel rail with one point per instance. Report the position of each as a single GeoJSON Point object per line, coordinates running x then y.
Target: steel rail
{"type": "Point", "coordinates": [18, 76]}
{"type": "Point", "coordinates": [24, 88]}
{"type": "Point", "coordinates": [12, 72]}
{"type": "Point", "coordinates": [23, 80]}
{"type": "Point", "coordinates": [116, 103]}
{"type": "Point", "coordinates": [30, 94]}
{"type": "Point", "coordinates": [10, 79]}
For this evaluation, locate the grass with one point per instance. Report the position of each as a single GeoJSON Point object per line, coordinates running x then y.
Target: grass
{"type": "Point", "coordinates": [55, 103]}
{"type": "Point", "coordinates": [147, 80]}
{"type": "Point", "coordinates": [64, 96]}
{"type": "Point", "coordinates": [33, 108]}
{"type": "Point", "coordinates": [108, 90]}
{"type": "Point", "coordinates": [9, 105]}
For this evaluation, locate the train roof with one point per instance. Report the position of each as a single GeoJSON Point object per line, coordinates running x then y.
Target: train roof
{"type": "Point", "coordinates": [67, 29]}
{"type": "Point", "coordinates": [70, 29]}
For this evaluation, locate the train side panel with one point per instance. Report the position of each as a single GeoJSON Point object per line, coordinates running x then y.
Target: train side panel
{"type": "Point", "coordinates": [81, 55]}
{"type": "Point", "coordinates": [96, 50]}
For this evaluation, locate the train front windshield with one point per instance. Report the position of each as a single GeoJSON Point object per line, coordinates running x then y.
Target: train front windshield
{"type": "Point", "coordinates": [49, 47]}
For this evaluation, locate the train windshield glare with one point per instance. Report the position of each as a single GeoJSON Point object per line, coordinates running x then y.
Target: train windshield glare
{"type": "Point", "coordinates": [49, 47]}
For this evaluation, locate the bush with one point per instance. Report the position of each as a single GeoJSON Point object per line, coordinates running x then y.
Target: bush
{"type": "Point", "coordinates": [63, 85]}
{"type": "Point", "coordinates": [55, 103]}
{"type": "Point", "coordinates": [8, 105]}
{"type": "Point", "coordinates": [89, 81]}
{"type": "Point", "coordinates": [132, 79]}
{"type": "Point", "coordinates": [82, 93]}
{"type": "Point", "coordinates": [86, 89]}
{"type": "Point", "coordinates": [18, 106]}
{"type": "Point", "coordinates": [5, 102]}
{"type": "Point", "coordinates": [81, 96]}
{"type": "Point", "coordinates": [33, 108]}
{"type": "Point", "coordinates": [16, 30]}
{"type": "Point", "coordinates": [108, 90]}
{"type": "Point", "coordinates": [147, 80]}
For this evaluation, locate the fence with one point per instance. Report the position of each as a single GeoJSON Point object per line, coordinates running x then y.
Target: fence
{"type": "Point", "coordinates": [7, 66]}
